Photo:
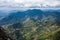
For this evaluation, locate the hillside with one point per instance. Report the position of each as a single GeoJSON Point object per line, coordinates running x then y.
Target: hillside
{"type": "Point", "coordinates": [33, 29]}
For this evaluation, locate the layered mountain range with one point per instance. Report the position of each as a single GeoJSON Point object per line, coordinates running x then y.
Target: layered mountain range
{"type": "Point", "coordinates": [20, 16]}
{"type": "Point", "coordinates": [32, 24]}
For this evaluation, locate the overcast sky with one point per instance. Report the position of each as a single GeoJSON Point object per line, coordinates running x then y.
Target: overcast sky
{"type": "Point", "coordinates": [16, 4]}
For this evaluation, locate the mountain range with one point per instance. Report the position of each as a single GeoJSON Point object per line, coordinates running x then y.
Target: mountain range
{"type": "Point", "coordinates": [19, 16]}
{"type": "Point", "coordinates": [33, 24]}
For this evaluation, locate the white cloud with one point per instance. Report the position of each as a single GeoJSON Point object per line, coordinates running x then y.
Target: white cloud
{"type": "Point", "coordinates": [28, 3]}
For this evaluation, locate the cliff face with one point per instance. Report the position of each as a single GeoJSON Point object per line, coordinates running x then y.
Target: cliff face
{"type": "Point", "coordinates": [4, 35]}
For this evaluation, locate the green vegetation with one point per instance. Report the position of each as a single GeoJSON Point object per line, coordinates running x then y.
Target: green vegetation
{"type": "Point", "coordinates": [32, 29]}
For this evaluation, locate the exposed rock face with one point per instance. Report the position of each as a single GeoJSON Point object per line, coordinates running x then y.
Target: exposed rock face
{"type": "Point", "coordinates": [4, 35]}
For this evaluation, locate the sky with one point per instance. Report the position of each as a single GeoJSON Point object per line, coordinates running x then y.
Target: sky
{"type": "Point", "coordinates": [24, 4]}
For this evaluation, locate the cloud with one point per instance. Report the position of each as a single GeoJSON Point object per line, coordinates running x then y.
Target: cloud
{"type": "Point", "coordinates": [16, 4]}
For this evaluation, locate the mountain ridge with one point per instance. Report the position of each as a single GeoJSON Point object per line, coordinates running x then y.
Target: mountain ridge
{"type": "Point", "coordinates": [14, 17]}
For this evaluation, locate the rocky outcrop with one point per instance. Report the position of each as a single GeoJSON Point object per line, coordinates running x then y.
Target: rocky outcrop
{"type": "Point", "coordinates": [4, 35]}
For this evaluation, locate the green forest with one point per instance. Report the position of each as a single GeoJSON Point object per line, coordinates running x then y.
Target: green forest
{"type": "Point", "coordinates": [33, 29]}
